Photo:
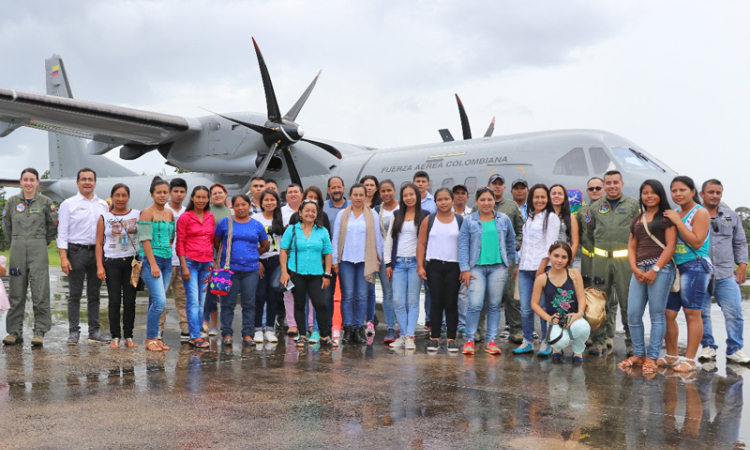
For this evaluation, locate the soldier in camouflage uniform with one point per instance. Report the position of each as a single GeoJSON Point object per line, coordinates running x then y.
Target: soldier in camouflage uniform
{"type": "Point", "coordinates": [595, 189]}
{"type": "Point", "coordinates": [29, 225]}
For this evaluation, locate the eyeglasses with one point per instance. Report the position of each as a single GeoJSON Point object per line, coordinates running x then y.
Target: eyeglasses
{"type": "Point", "coordinates": [595, 188]}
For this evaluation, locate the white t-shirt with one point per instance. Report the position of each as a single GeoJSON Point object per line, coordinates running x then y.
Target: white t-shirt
{"type": "Point", "coordinates": [407, 240]}
{"type": "Point", "coordinates": [386, 217]}
{"type": "Point", "coordinates": [175, 258]}
{"type": "Point", "coordinates": [273, 240]}
{"type": "Point", "coordinates": [442, 244]}
{"type": "Point", "coordinates": [121, 234]}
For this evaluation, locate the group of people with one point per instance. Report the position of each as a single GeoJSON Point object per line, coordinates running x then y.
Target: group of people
{"type": "Point", "coordinates": [285, 259]}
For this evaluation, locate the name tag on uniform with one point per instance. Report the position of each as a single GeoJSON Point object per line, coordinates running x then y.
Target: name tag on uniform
{"type": "Point", "coordinates": [621, 210]}
{"type": "Point", "coordinates": [34, 210]}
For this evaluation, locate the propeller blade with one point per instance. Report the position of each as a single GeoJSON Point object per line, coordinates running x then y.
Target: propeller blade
{"type": "Point", "coordinates": [274, 114]}
{"type": "Point", "coordinates": [446, 135]}
{"type": "Point", "coordinates": [259, 128]}
{"type": "Point", "coordinates": [464, 119]}
{"type": "Point", "coordinates": [292, 114]}
{"type": "Point", "coordinates": [490, 129]}
{"type": "Point", "coordinates": [266, 160]}
{"type": "Point", "coordinates": [330, 149]}
{"type": "Point", "coordinates": [293, 174]}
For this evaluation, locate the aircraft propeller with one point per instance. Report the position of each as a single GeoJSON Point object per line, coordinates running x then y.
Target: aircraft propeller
{"type": "Point", "coordinates": [280, 133]}
{"type": "Point", "coordinates": [465, 127]}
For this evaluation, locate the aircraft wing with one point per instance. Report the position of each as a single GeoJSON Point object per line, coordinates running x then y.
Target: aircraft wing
{"type": "Point", "coordinates": [107, 125]}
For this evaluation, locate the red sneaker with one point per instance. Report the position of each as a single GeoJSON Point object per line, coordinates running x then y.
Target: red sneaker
{"type": "Point", "coordinates": [468, 348]}
{"type": "Point", "coordinates": [492, 348]}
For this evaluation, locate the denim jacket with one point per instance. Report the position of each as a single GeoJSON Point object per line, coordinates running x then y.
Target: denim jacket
{"type": "Point", "coordinates": [470, 240]}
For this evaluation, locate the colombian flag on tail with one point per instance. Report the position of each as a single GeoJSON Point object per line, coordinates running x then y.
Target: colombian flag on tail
{"type": "Point", "coordinates": [55, 70]}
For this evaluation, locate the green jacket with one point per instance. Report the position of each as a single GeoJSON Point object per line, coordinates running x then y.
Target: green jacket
{"type": "Point", "coordinates": [609, 228]}
{"type": "Point", "coordinates": [37, 220]}
{"type": "Point", "coordinates": [584, 220]}
{"type": "Point", "coordinates": [511, 209]}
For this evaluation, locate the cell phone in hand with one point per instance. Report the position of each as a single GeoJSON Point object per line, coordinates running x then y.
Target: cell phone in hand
{"type": "Point", "coordinates": [289, 285]}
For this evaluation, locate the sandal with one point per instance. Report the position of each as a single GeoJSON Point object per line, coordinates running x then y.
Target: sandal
{"type": "Point", "coordinates": [302, 341]}
{"type": "Point", "coordinates": [130, 344]}
{"type": "Point", "coordinates": [664, 361]}
{"type": "Point", "coordinates": [227, 341]}
{"type": "Point", "coordinates": [115, 343]}
{"type": "Point", "coordinates": [152, 345]}
{"type": "Point", "coordinates": [199, 343]}
{"type": "Point", "coordinates": [686, 365]}
{"type": "Point", "coordinates": [649, 366]}
{"type": "Point", "coordinates": [248, 340]}
{"type": "Point", "coordinates": [163, 346]}
{"type": "Point", "coordinates": [631, 362]}
{"type": "Point", "coordinates": [327, 341]}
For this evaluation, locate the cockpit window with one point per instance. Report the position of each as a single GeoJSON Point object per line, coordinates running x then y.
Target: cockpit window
{"type": "Point", "coordinates": [633, 159]}
{"type": "Point", "coordinates": [572, 163]}
{"type": "Point", "coordinates": [600, 160]}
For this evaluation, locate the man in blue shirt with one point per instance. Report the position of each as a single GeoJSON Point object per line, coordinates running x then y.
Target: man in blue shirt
{"type": "Point", "coordinates": [422, 181]}
{"type": "Point", "coordinates": [332, 207]}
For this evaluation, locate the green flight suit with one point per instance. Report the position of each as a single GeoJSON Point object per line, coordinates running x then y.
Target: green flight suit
{"type": "Point", "coordinates": [587, 246]}
{"type": "Point", "coordinates": [512, 306]}
{"type": "Point", "coordinates": [609, 230]}
{"type": "Point", "coordinates": [29, 229]}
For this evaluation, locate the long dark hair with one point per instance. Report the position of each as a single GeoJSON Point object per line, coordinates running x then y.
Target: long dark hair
{"type": "Point", "coordinates": [398, 219]}
{"type": "Point", "coordinates": [191, 205]}
{"type": "Point", "coordinates": [564, 209]}
{"type": "Point", "coordinates": [531, 211]}
{"type": "Point", "coordinates": [376, 200]}
{"type": "Point", "coordinates": [687, 181]}
{"type": "Point", "coordinates": [277, 224]}
{"type": "Point", "coordinates": [659, 190]}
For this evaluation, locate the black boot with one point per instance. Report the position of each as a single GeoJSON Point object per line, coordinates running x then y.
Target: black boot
{"type": "Point", "coordinates": [361, 335]}
{"type": "Point", "coordinates": [347, 334]}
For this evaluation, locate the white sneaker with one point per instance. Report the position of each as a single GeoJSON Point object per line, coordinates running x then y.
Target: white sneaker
{"type": "Point", "coordinates": [258, 337]}
{"type": "Point", "coordinates": [410, 344]}
{"type": "Point", "coordinates": [399, 343]}
{"type": "Point", "coordinates": [708, 353]}
{"type": "Point", "coordinates": [270, 337]}
{"type": "Point", "coordinates": [738, 357]}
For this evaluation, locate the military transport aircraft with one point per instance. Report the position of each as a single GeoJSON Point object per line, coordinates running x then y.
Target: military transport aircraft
{"type": "Point", "coordinates": [232, 147]}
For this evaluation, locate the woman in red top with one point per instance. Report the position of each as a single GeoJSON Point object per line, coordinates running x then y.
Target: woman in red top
{"type": "Point", "coordinates": [195, 239]}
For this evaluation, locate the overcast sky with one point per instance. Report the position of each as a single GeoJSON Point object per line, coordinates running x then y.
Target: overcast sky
{"type": "Point", "coordinates": [672, 76]}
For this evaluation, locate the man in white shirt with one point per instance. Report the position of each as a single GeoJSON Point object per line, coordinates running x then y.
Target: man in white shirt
{"type": "Point", "coordinates": [76, 240]}
{"type": "Point", "coordinates": [257, 186]}
{"type": "Point", "coordinates": [293, 200]}
{"type": "Point", "coordinates": [177, 194]}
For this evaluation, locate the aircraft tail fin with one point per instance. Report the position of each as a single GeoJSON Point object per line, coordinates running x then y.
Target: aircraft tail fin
{"type": "Point", "coordinates": [67, 154]}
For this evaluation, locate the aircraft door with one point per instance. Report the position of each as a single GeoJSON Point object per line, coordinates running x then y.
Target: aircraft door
{"type": "Point", "coordinates": [224, 137]}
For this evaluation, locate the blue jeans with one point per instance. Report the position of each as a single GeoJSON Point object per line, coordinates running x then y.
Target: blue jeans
{"type": "Point", "coordinates": [489, 279]}
{"type": "Point", "coordinates": [371, 298]}
{"type": "Point", "coordinates": [463, 301]}
{"type": "Point", "coordinates": [245, 285]}
{"type": "Point", "coordinates": [195, 294]}
{"type": "Point", "coordinates": [525, 282]}
{"type": "Point", "coordinates": [406, 286]}
{"type": "Point", "coordinates": [266, 299]}
{"type": "Point", "coordinates": [388, 309]}
{"type": "Point", "coordinates": [656, 296]}
{"type": "Point", "coordinates": [157, 292]}
{"type": "Point", "coordinates": [575, 335]}
{"type": "Point", "coordinates": [354, 291]}
{"type": "Point", "coordinates": [211, 305]}
{"type": "Point", "coordinates": [728, 297]}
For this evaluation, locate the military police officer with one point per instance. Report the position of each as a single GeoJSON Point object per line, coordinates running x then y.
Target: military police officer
{"type": "Point", "coordinates": [595, 189]}
{"type": "Point", "coordinates": [609, 230]}
{"type": "Point", "coordinates": [29, 226]}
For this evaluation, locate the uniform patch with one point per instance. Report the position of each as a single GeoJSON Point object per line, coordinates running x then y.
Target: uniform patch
{"type": "Point", "coordinates": [20, 207]}
{"type": "Point", "coordinates": [588, 218]}
{"type": "Point", "coordinates": [53, 207]}
{"type": "Point", "coordinates": [604, 208]}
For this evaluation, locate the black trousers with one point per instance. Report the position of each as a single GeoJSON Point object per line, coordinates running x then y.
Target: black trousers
{"type": "Point", "coordinates": [442, 278]}
{"type": "Point", "coordinates": [121, 292]}
{"type": "Point", "coordinates": [310, 285]}
{"type": "Point", "coordinates": [83, 262]}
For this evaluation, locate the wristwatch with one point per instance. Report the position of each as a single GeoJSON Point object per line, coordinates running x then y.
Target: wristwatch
{"type": "Point", "coordinates": [656, 268]}
{"type": "Point", "coordinates": [327, 275]}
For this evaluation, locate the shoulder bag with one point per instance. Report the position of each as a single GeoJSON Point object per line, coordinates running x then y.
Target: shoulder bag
{"type": "Point", "coordinates": [136, 265]}
{"type": "Point", "coordinates": [221, 278]}
{"type": "Point", "coordinates": [676, 283]}
{"type": "Point", "coordinates": [596, 305]}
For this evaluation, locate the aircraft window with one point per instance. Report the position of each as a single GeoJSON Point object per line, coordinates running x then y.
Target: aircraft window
{"type": "Point", "coordinates": [632, 159]}
{"type": "Point", "coordinates": [449, 183]}
{"type": "Point", "coordinates": [600, 160]}
{"type": "Point", "coordinates": [572, 163]}
{"type": "Point", "coordinates": [471, 184]}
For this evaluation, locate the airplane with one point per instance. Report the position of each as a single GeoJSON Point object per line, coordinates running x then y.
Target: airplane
{"type": "Point", "coordinates": [232, 147]}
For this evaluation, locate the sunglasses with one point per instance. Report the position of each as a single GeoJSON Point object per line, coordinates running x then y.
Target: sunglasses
{"type": "Point", "coordinates": [595, 188]}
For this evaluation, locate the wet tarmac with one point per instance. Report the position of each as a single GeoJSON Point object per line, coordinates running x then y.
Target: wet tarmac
{"type": "Point", "coordinates": [366, 396]}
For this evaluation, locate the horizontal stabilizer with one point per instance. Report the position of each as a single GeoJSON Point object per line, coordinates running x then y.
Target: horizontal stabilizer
{"type": "Point", "coordinates": [446, 135]}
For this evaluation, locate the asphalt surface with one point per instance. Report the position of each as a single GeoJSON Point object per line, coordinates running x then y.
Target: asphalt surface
{"type": "Point", "coordinates": [366, 396]}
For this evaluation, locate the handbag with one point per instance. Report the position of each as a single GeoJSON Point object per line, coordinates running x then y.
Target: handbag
{"type": "Point", "coordinates": [596, 306]}
{"type": "Point", "coordinates": [221, 278]}
{"type": "Point", "coordinates": [676, 283]}
{"type": "Point", "coordinates": [135, 265]}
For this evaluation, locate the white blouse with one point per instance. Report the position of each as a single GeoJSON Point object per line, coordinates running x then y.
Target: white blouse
{"type": "Point", "coordinates": [537, 241]}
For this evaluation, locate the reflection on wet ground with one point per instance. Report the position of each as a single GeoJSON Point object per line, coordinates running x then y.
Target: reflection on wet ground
{"type": "Point", "coordinates": [91, 396]}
